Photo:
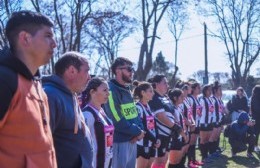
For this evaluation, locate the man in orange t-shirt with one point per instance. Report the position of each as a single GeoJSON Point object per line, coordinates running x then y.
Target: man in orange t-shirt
{"type": "Point", "coordinates": [26, 139]}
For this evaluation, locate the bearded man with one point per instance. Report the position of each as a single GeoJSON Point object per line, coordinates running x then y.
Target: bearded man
{"type": "Point", "coordinates": [122, 110]}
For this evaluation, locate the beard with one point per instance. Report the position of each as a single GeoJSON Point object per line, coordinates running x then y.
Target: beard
{"type": "Point", "coordinates": [126, 79]}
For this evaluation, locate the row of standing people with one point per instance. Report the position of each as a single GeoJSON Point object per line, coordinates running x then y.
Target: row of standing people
{"type": "Point", "coordinates": [44, 126]}
{"type": "Point", "coordinates": [129, 128]}
{"type": "Point", "coordinates": [196, 116]}
{"type": "Point", "coordinates": [199, 116]}
{"type": "Point", "coordinates": [171, 121]}
{"type": "Point", "coordinates": [34, 122]}
{"type": "Point", "coordinates": [41, 126]}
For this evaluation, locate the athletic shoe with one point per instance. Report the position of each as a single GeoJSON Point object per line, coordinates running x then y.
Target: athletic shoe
{"type": "Point", "coordinates": [198, 163]}
{"type": "Point", "coordinates": [192, 165]}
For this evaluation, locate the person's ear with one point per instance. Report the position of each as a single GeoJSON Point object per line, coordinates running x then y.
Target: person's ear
{"type": "Point", "coordinates": [24, 38]}
{"type": "Point", "coordinates": [117, 71]}
{"type": "Point", "coordinates": [142, 93]}
{"type": "Point", "coordinates": [71, 70]}
{"type": "Point", "coordinates": [92, 91]}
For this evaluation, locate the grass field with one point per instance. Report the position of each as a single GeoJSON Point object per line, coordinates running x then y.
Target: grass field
{"type": "Point", "coordinates": [226, 161]}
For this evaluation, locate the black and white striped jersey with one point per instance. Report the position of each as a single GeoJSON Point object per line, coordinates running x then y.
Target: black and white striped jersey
{"type": "Point", "coordinates": [162, 104]}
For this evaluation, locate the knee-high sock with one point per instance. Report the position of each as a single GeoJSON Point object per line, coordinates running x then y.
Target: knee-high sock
{"type": "Point", "coordinates": [204, 151]}
{"type": "Point", "coordinates": [211, 147]}
{"type": "Point", "coordinates": [174, 166]}
{"type": "Point", "coordinates": [192, 153]}
{"type": "Point", "coordinates": [207, 148]}
{"type": "Point", "coordinates": [217, 144]}
{"type": "Point", "coordinates": [183, 160]}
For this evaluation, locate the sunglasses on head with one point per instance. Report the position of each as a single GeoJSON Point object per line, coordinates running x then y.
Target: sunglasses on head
{"type": "Point", "coordinates": [129, 69]}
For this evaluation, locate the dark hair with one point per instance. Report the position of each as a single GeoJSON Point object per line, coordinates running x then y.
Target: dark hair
{"type": "Point", "coordinates": [156, 79]}
{"type": "Point", "coordinates": [241, 89]}
{"type": "Point", "coordinates": [140, 86]}
{"type": "Point", "coordinates": [216, 85]}
{"type": "Point", "coordinates": [255, 94]}
{"type": "Point", "coordinates": [194, 86]}
{"type": "Point", "coordinates": [174, 94]}
{"type": "Point", "coordinates": [67, 59]}
{"type": "Point", "coordinates": [256, 90]}
{"type": "Point", "coordinates": [135, 83]}
{"type": "Point", "coordinates": [205, 88]}
{"type": "Point", "coordinates": [93, 83]}
{"type": "Point", "coordinates": [24, 20]}
{"type": "Point", "coordinates": [182, 85]}
{"type": "Point", "coordinates": [120, 61]}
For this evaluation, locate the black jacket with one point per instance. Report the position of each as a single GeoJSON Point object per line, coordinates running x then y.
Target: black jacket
{"type": "Point", "coordinates": [255, 108]}
{"type": "Point", "coordinates": [238, 104]}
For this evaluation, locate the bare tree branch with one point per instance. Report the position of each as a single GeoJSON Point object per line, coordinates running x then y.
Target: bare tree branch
{"type": "Point", "coordinates": [238, 22]}
{"type": "Point", "coordinates": [152, 13]}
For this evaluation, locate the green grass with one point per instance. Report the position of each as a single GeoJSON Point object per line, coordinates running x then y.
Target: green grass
{"type": "Point", "coordinates": [226, 161]}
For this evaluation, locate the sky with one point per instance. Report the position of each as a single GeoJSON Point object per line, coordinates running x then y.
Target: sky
{"type": "Point", "coordinates": [191, 48]}
{"type": "Point", "coordinates": [191, 45]}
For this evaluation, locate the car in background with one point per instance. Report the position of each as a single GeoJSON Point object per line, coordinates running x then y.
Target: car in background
{"type": "Point", "coordinates": [227, 95]}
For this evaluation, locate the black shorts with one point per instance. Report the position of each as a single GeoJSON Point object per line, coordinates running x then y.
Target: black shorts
{"type": "Point", "coordinates": [196, 131]}
{"type": "Point", "coordinates": [177, 144]}
{"type": "Point", "coordinates": [145, 152]}
{"type": "Point", "coordinates": [206, 127]}
{"type": "Point", "coordinates": [164, 147]}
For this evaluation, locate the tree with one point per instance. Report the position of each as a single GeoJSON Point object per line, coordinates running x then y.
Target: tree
{"type": "Point", "coordinates": [69, 22]}
{"type": "Point", "coordinates": [160, 65]}
{"type": "Point", "coordinates": [7, 7]}
{"type": "Point", "coordinates": [178, 18]}
{"type": "Point", "coordinates": [107, 29]}
{"type": "Point", "coordinates": [220, 76]}
{"type": "Point", "coordinates": [152, 13]}
{"type": "Point", "coordinates": [239, 31]}
{"type": "Point", "coordinates": [79, 12]}
{"type": "Point", "coordinates": [199, 75]}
